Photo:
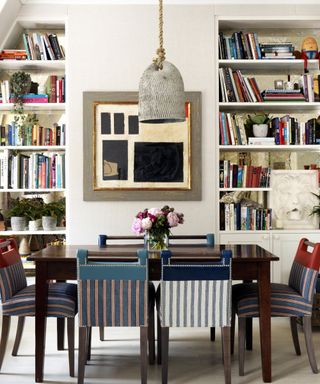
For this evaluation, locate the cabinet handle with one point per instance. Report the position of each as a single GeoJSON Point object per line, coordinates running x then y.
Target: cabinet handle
{"type": "Point", "coordinates": [265, 237]}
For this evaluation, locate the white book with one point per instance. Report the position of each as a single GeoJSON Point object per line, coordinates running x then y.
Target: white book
{"type": "Point", "coordinates": [4, 168]}
{"type": "Point", "coordinates": [261, 141]}
{"type": "Point", "coordinates": [252, 95]}
{"type": "Point", "coordinates": [234, 85]}
{"type": "Point", "coordinates": [233, 142]}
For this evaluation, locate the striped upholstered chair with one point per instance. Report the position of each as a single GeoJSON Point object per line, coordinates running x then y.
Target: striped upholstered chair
{"type": "Point", "coordinates": [293, 300]}
{"type": "Point", "coordinates": [112, 294]}
{"type": "Point", "coordinates": [195, 295]}
{"type": "Point", "coordinates": [18, 299]}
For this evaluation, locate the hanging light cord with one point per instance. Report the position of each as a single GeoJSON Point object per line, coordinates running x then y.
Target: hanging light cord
{"type": "Point", "coordinates": [161, 53]}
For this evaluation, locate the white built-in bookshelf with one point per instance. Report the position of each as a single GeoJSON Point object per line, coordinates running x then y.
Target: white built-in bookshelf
{"type": "Point", "coordinates": [281, 241]}
{"type": "Point", "coordinates": [48, 114]}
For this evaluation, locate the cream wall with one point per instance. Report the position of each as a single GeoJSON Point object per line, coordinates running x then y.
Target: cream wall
{"type": "Point", "coordinates": [109, 46]}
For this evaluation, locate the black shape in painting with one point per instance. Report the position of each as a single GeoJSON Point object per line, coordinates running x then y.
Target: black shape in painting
{"type": "Point", "coordinates": [118, 123]}
{"type": "Point", "coordinates": [133, 125]}
{"type": "Point", "coordinates": [115, 159]}
{"type": "Point", "coordinates": [105, 123]}
{"type": "Point", "coordinates": [158, 162]}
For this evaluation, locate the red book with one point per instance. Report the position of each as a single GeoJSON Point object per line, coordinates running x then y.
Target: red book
{"type": "Point", "coordinates": [249, 177]}
{"type": "Point", "coordinates": [256, 89]}
{"type": "Point", "coordinates": [53, 89]}
{"type": "Point", "coordinates": [238, 85]}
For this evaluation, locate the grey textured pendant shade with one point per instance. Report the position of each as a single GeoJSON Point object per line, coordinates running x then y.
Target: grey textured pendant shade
{"type": "Point", "coordinates": [161, 89]}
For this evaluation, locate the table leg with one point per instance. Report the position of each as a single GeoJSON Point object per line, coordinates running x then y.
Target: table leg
{"type": "Point", "coordinates": [60, 333]}
{"type": "Point", "coordinates": [248, 327]}
{"type": "Point", "coordinates": [265, 319]}
{"type": "Point", "coordinates": [40, 321]}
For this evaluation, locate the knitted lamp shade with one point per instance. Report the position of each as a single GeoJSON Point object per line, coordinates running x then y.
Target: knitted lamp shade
{"type": "Point", "coordinates": [161, 95]}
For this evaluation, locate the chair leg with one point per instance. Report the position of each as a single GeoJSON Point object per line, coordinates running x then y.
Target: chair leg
{"type": "Point", "coordinates": [20, 327]}
{"type": "Point", "coordinates": [233, 327]}
{"type": "Point", "coordinates": [70, 327]}
{"type": "Point", "coordinates": [307, 329]}
{"type": "Point", "coordinates": [241, 343]}
{"type": "Point", "coordinates": [225, 333]}
{"type": "Point", "coordinates": [294, 333]}
{"type": "Point", "coordinates": [89, 336]}
{"type": "Point", "coordinates": [159, 341]}
{"type": "Point", "coordinates": [164, 353]}
{"type": "Point", "coordinates": [6, 320]}
{"type": "Point", "coordinates": [212, 334]}
{"type": "Point", "coordinates": [144, 354]}
{"type": "Point", "coordinates": [151, 337]}
{"type": "Point", "coordinates": [249, 333]}
{"type": "Point", "coordinates": [82, 355]}
{"type": "Point", "coordinates": [101, 333]}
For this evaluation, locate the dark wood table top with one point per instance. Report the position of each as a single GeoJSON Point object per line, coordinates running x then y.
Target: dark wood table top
{"type": "Point", "coordinates": [240, 253]}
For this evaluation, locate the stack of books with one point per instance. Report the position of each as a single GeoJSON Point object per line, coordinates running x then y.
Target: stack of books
{"type": "Point", "coordinates": [239, 46]}
{"type": "Point", "coordinates": [283, 95]}
{"type": "Point", "coordinates": [277, 51]}
{"type": "Point", "coordinates": [13, 54]}
{"type": "Point", "coordinates": [261, 141]}
{"type": "Point", "coordinates": [43, 46]}
{"type": "Point", "coordinates": [234, 87]}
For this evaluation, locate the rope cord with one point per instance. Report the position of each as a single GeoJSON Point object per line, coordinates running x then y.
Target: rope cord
{"type": "Point", "coordinates": [161, 53]}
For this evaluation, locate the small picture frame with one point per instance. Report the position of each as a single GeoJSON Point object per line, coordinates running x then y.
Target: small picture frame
{"type": "Point", "coordinates": [278, 84]}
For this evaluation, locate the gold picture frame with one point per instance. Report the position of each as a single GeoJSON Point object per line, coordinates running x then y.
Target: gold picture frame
{"type": "Point", "coordinates": [133, 161]}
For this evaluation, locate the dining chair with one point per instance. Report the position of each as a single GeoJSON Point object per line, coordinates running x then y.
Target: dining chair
{"type": "Point", "coordinates": [195, 295]}
{"type": "Point", "coordinates": [112, 294]}
{"type": "Point", "coordinates": [293, 300]}
{"type": "Point", "coordinates": [124, 239]}
{"type": "Point", "coordinates": [18, 299]}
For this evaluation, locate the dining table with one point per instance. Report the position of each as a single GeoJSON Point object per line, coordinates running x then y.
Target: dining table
{"type": "Point", "coordinates": [59, 262]}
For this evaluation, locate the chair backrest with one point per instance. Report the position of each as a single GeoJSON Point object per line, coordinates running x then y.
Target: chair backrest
{"type": "Point", "coordinates": [12, 275]}
{"type": "Point", "coordinates": [305, 269]}
{"type": "Point", "coordinates": [112, 293]}
{"type": "Point", "coordinates": [196, 295]}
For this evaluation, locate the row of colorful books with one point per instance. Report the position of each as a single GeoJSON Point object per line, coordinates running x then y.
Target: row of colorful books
{"type": "Point", "coordinates": [285, 130]}
{"type": "Point", "coordinates": [239, 46]}
{"type": "Point", "coordinates": [243, 176]}
{"type": "Point", "coordinates": [242, 45]}
{"type": "Point", "coordinates": [56, 89]}
{"type": "Point", "coordinates": [234, 87]}
{"type": "Point", "coordinates": [43, 46]}
{"type": "Point", "coordinates": [12, 134]}
{"type": "Point", "coordinates": [237, 217]}
{"type": "Point", "coordinates": [32, 171]}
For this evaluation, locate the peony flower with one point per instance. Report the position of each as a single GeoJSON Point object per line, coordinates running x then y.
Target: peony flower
{"type": "Point", "coordinates": [137, 226]}
{"type": "Point", "coordinates": [155, 211]}
{"type": "Point", "coordinates": [146, 224]}
{"type": "Point", "coordinates": [173, 219]}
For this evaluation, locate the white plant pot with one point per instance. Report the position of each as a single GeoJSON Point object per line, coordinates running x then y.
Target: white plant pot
{"type": "Point", "coordinates": [49, 223]}
{"type": "Point", "coordinates": [35, 225]}
{"type": "Point", "coordinates": [260, 130]}
{"type": "Point", "coordinates": [18, 223]}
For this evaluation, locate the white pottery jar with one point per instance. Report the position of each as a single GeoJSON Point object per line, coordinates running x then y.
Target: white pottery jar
{"type": "Point", "coordinates": [260, 130]}
{"type": "Point", "coordinates": [18, 223]}
{"type": "Point", "coordinates": [35, 225]}
{"type": "Point", "coordinates": [49, 223]}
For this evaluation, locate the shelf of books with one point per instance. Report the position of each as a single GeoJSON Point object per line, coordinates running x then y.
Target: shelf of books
{"type": "Point", "coordinates": [33, 145]}
{"type": "Point", "coordinates": [265, 77]}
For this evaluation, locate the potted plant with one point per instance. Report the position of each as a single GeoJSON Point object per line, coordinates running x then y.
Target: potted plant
{"type": "Point", "coordinates": [52, 214]}
{"type": "Point", "coordinates": [34, 213]}
{"type": "Point", "coordinates": [257, 124]}
{"type": "Point", "coordinates": [20, 84]}
{"type": "Point", "coordinates": [18, 214]}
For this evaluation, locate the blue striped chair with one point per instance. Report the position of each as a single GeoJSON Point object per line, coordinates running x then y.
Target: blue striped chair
{"type": "Point", "coordinates": [195, 295]}
{"type": "Point", "coordinates": [293, 300]}
{"type": "Point", "coordinates": [112, 294]}
{"type": "Point", "coordinates": [18, 299]}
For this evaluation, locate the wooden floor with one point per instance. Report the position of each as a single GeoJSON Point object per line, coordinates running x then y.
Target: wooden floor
{"type": "Point", "coordinates": [193, 358]}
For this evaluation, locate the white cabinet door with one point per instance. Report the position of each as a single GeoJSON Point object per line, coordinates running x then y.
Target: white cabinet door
{"type": "Point", "coordinates": [262, 239]}
{"type": "Point", "coordinates": [284, 245]}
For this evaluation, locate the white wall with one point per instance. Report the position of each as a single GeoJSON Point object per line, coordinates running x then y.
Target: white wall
{"type": "Point", "coordinates": [108, 49]}
{"type": "Point", "coordinates": [109, 46]}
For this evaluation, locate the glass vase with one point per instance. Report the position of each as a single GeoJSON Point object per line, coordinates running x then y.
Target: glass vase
{"type": "Point", "coordinates": [156, 242]}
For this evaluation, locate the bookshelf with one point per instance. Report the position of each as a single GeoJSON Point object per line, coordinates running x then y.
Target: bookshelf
{"type": "Point", "coordinates": [50, 114]}
{"type": "Point", "coordinates": [281, 241]}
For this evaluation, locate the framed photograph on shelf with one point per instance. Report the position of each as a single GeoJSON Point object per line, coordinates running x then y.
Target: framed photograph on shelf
{"type": "Point", "coordinates": [292, 198]}
{"type": "Point", "coordinates": [127, 160]}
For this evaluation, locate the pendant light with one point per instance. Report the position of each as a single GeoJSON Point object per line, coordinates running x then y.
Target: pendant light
{"type": "Point", "coordinates": [161, 89]}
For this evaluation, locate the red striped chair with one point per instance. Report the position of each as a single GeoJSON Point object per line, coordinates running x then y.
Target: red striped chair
{"type": "Point", "coordinates": [18, 299]}
{"type": "Point", "coordinates": [293, 300]}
